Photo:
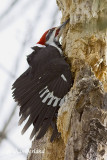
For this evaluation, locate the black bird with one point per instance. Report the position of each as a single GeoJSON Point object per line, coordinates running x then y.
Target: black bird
{"type": "Point", "coordinates": [41, 89]}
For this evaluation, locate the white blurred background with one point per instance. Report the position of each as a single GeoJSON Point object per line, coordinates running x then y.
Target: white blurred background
{"type": "Point", "coordinates": [22, 23]}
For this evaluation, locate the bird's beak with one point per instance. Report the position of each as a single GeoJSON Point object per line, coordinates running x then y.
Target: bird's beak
{"type": "Point", "coordinates": [59, 30]}
{"type": "Point", "coordinates": [63, 24]}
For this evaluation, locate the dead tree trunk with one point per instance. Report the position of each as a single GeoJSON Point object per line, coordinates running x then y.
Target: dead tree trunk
{"type": "Point", "coordinates": [82, 119]}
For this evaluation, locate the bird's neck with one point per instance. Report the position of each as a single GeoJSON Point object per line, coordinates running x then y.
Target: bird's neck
{"type": "Point", "coordinates": [57, 45]}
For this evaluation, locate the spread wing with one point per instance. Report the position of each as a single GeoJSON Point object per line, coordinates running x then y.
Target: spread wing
{"type": "Point", "coordinates": [40, 93]}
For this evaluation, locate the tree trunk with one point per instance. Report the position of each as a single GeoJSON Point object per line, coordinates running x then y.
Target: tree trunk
{"type": "Point", "coordinates": [82, 119]}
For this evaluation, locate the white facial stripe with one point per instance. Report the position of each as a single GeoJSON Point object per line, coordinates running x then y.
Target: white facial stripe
{"type": "Point", "coordinates": [50, 41]}
{"type": "Point", "coordinates": [63, 77]}
{"type": "Point", "coordinates": [51, 37]}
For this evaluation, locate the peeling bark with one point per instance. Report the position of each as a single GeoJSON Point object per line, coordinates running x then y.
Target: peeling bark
{"type": "Point", "coordinates": [82, 119]}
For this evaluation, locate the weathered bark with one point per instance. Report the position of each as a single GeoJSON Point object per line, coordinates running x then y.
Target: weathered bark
{"type": "Point", "coordinates": [82, 119]}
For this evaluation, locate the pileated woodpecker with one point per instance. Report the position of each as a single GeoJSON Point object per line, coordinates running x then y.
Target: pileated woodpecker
{"type": "Point", "coordinates": [41, 89]}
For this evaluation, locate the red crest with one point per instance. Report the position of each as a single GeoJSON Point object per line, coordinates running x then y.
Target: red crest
{"type": "Point", "coordinates": [43, 39]}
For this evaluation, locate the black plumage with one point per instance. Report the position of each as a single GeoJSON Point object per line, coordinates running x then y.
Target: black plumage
{"type": "Point", "coordinates": [40, 90]}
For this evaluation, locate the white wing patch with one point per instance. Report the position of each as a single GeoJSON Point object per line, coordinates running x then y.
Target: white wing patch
{"type": "Point", "coordinates": [46, 98]}
{"type": "Point", "coordinates": [43, 89]}
{"type": "Point", "coordinates": [56, 101]}
{"type": "Point", "coordinates": [46, 91]}
{"type": "Point", "coordinates": [51, 97]}
{"type": "Point", "coordinates": [63, 77]}
{"type": "Point", "coordinates": [62, 101]}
